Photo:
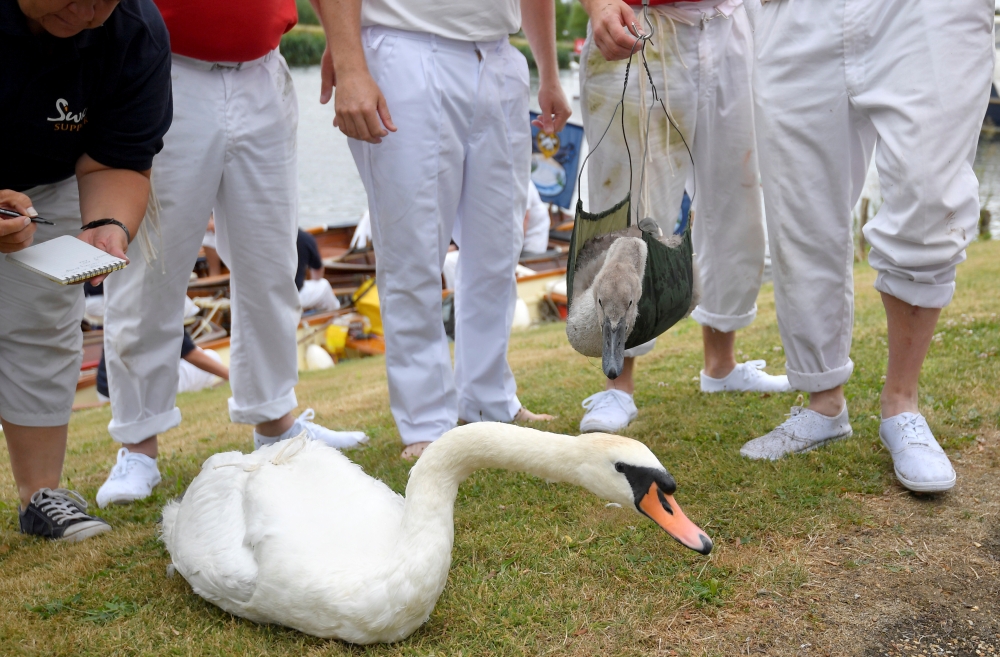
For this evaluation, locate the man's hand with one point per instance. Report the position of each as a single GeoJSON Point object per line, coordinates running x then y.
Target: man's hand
{"type": "Point", "coordinates": [327, 77]}
{"type": "Point", "coordinates": [361, 108]}
{"type": "Point", "coordinates": [110, 239]}
{"type": "Point", "coordinates": [16, 233]}
{"type": "Point", "coordinates": [555, 108]}
{"type": "Point", "coordinates": [611, 22]}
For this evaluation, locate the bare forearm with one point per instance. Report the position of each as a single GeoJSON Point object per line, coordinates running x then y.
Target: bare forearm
{"type": "Point", "coordinates": [200, 359]}
{"type": "Point", "coordinates": [120, 194]}
{"type": "Point", "coordinates": [538, 20]}
{"type": "Point", "coordinates": [341, 20]}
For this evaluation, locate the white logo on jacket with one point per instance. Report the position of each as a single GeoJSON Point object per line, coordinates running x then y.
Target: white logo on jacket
{"type": "Point", "coordinates": [66, 119]}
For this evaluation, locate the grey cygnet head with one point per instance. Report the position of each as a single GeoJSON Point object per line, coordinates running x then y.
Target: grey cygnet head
{"type": "Point", "coordinates": [616, 290]}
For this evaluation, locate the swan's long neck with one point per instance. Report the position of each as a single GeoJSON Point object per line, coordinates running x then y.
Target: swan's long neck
{"type": "Point", "coordinates": [427, 532]}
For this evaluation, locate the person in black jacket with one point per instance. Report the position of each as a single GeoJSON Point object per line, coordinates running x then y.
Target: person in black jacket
{"type": "Point", "coordinates": [87, 96]}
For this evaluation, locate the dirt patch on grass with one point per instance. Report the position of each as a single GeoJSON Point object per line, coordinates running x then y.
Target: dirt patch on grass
{"type": "Point", "coordinates": [915, 575]}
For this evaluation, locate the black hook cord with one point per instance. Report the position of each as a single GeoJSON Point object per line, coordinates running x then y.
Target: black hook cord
{"type": "Point", "coordinates": [621, 104]}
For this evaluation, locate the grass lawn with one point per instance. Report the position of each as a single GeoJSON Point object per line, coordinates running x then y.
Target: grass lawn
{"type": "Point", "coordinates": [818, 554]}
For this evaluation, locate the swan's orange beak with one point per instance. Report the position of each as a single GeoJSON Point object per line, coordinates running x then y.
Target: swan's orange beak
{"type": "Point", "coordinates": [665, 512]}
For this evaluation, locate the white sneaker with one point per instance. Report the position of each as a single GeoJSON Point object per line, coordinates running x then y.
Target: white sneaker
{"type": "Point", "coordinates": [609, 411]}
{"type": "Point", "coordinates": [920, 463]}
{"type": "Point", "coordinates": [335, 439]}
{"type": "Point", "coordinates": [132, 478]}
{"type": "Point", "coordinates": [803, 431]}
{"type": "Point", "coordinates": [746, 377]}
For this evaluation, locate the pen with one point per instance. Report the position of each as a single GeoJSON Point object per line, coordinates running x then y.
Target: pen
{"type": "Point", "coordinates": [36, 220]}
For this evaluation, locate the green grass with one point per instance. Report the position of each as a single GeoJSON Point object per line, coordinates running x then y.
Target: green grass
{"type": "Point", "coordinates": [537, 567]}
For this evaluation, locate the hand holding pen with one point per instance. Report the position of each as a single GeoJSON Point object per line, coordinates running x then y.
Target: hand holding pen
{"type": "Point", "coordinates": [17, 221]}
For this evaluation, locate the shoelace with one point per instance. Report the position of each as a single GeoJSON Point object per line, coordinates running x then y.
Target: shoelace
{"type": "Point", "coordinates": [122, 467]}
{"type": "Point", "coordinates": [751, 369]}
{"type": "Point", "coordinates": [912, 432]}
{"type": "Point", "coordinates": [795, 416]}
{"type": "Point", "coordinates": [60, 504]}
{"type": "Point", "coordinates": [307, 415]}
{"type": "Point", "coordinates": [600, 400]}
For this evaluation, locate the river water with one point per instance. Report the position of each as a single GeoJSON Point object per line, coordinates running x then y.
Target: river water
{"type": "Point", "coordinates": [330, 190]}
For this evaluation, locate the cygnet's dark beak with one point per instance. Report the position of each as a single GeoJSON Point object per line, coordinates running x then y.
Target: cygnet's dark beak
{"type": "Point", "coordinates": [614, 348]}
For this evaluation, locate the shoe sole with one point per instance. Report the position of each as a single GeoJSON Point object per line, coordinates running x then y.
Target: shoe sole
{"type": "Point", "coordinates": [603, 428]}
{"type": "Point", "coordinates": [88, 530]}
{"type": "Point", "coordinates": [765, 392]}
{"type": "Point", "coordinates": [925, 486]}
{"type": "Point", "coordinates": [128, 500]}
{"type": "Point", "coordinates": [810, 448]}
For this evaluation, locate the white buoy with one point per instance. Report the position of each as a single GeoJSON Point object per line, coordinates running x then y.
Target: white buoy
{"type": "Point", "coordinates": [317, 358]}
{"type": "Point", "coordinates": [522, 318]}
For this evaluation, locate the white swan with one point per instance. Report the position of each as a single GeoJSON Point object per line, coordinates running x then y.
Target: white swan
{"type": "Point", "coordinates": [297, 534]}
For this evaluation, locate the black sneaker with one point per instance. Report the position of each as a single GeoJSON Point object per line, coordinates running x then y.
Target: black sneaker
{"type": "Point", "coordinates": [60, 514]}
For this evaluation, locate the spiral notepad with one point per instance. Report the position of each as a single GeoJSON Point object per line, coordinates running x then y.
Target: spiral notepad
{"type": "Point", "coordinates": [66, 260]}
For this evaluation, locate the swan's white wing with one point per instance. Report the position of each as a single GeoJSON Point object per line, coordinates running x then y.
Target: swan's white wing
{"type": "Point", "coordinates": [205, 533]}
{"type": "Point", "coordinates": [322, 531]}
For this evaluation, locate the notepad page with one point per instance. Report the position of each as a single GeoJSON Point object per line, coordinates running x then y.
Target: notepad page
{"type": "Point", "coordinates": [66, 259]}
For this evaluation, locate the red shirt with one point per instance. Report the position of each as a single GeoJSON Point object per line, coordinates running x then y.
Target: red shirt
{"type": "Point", "coordinates": [226, 30]}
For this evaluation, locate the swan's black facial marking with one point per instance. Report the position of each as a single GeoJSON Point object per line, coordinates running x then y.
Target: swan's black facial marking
{"type": "Point", "coordinates": [653, 490]}
{"type": "Point", "coordinates": [641, 478]}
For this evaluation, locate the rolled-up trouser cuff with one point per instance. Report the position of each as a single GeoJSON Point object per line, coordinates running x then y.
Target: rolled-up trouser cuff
{"type": "Point", "coordinates": [130, 433]}
{"type": "Point", "coordinates": [497, 411]}
{"type": "Point", "coordinates": [820, 381]}
{"type": "Point", "coordinates": [640, 349]}
{"type": "Point", "coordinates": [924, 295]}
{"type": "Point", "coordinates": [724, 323]}
{"type": "Point", "coordinates": [266, 412]}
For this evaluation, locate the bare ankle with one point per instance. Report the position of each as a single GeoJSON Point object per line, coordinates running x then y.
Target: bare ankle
{"type": "Point", "coordinates": [148, 447]}
{"type": "Point", "coordinates": [828, 402]}
{"type": "Point", "coordinates": [274, 428]}
{"type": "Point", "coordinates": [719, 369]}
{"type": "Point", "coordinates": [896, 403]}
{"type": "Point", "coordinates": [625, 382]}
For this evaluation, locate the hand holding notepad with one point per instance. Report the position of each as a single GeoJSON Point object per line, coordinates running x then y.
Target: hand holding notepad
{"type": "Point", "coordinates": [66, 260]}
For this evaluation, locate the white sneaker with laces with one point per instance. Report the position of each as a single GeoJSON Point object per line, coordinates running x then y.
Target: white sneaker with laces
{"type": "Point", "coordinates": [746, 377]}
{"type": "Point", "coordinates": [609, 411]}
{"type": "Point", "coordinates": [803, 431]}
{"type": "Point", "coordinates": [920, 463]}
{"type": "Point", "coordinates": [132, 478]}
{"type": "Point", "coordinates": [304, 423]}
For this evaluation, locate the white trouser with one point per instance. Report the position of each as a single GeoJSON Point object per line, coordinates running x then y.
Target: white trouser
{"type": "Point", "coordinates": [458, 167]}
{"type": "Point", "coordinates": [231, 147]}
{"type": "Point", "coordinates": [703, 75]}
{"type": "Point", "coordinates": [319, 295]}
{"type": "Point", "coordinates": [832, 78]}
{"type": "Point", "coordinates": [41, 344]}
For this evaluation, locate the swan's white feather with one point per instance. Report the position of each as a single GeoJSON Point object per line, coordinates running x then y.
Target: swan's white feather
{"type": "Point", "coordinates": [261, 540]}
{"type": "Point", "coordinates": [210, 551]}
{"type": "Point", "coordinates": [296, 534]}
